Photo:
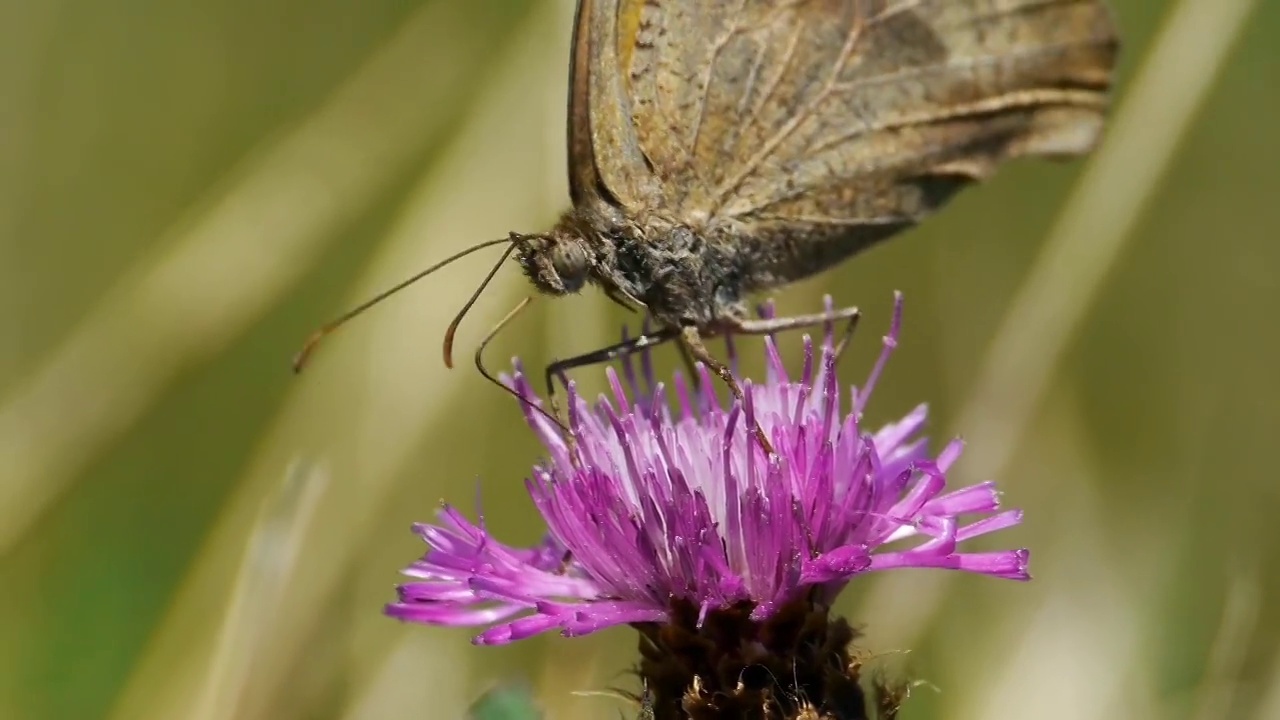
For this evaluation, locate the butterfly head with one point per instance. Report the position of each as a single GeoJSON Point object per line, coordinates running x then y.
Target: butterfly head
{"type": "Point", "coordinates": [557, 263]}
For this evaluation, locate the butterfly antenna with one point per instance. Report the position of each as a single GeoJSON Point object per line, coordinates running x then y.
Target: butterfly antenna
{"type": "Point", "coordinates": [301, 359]}
{"type": "Point", "coordinates": [457, 319]}
{"type": "Point", "coordinates": [479, 358]}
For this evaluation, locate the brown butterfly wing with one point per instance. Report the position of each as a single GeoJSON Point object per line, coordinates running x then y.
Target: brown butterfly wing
{"type": "Point", "coordinates": [855, 116]}
{"type": "Point", "coordinates": [606, 168]}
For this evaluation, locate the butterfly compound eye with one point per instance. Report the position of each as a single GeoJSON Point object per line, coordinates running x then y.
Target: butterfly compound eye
{"type": "Point", "coordinates": [556, 264]}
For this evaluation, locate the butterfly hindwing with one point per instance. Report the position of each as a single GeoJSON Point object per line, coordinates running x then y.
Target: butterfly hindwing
{"type": "Point", "coordinates": [848, 112]}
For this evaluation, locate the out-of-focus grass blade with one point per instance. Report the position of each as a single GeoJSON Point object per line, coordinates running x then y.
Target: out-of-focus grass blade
{"type": "Point", "coordinates": [1216, 695]}
{"type": "Point", "coordinates": [1078, 654]}
{"type": "Point", "coordinates": [255, 602]}
{"type": "Point", "coordinates": [1167, 91]}
{"type": "Point", "coordinates": [508, 702]}
{"type": "Point", "coordinates": [230, 261]}
{"type": "Point", "coordinates": [1269, 705]}
{"type": "Point", "coordinates": [410, 677]}
{"type": "Point", "coordinates": [368, 403]}
{"type": "Point", "coordinates": [1158, 108]}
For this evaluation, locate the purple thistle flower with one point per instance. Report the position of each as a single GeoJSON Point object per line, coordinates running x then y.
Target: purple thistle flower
{"type": "Point", "coordinates": [664, 518]}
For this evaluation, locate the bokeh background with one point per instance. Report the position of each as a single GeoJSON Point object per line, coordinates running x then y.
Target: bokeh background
{"type": "Point", "coordinates": [189, 531]}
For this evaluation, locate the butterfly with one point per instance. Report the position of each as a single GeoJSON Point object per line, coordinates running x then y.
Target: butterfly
{"type": "Point", "coordinates": [719, 150]}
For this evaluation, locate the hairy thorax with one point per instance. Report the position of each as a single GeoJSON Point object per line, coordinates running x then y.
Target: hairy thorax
{"type": "Point", "coordinates": [680, 275]}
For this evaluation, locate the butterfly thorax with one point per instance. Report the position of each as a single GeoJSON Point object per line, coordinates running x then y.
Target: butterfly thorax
{"type": "Point", "coordinates": [680, 274]}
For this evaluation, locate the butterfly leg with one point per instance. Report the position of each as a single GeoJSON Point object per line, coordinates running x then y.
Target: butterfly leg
{"type": "Point", "coordinates": [691, 339]}
{"type": "Point", "coordinates": [558, 368]}
{"type": "Point", "coordinates": [769, 326]}
{"type": "Point", "coordinates": [690, 366]}
{"type": "Point", "coordinates": [610, 352]}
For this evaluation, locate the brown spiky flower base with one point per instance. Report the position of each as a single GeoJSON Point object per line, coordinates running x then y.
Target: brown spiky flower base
{"type": "Point", "coordinates": [797, 664]}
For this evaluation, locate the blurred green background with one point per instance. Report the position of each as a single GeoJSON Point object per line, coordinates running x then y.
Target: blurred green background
{"type": "Point", "coordinates": [187, 530]}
